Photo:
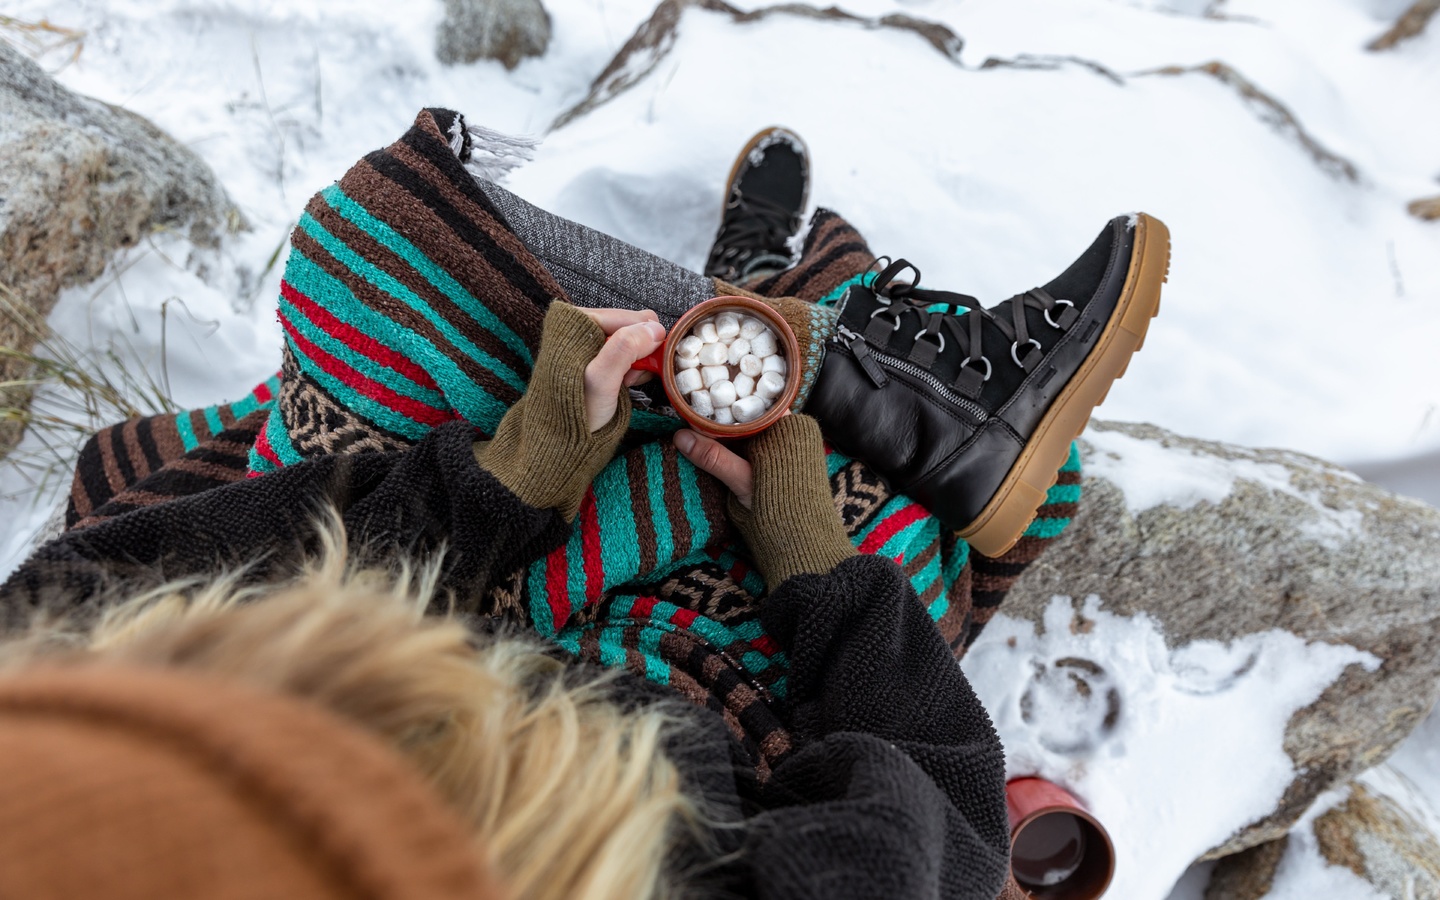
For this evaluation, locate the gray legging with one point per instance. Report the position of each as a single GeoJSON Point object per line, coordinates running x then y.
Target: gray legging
{"type": "Point", "coordinates": [585, 261]}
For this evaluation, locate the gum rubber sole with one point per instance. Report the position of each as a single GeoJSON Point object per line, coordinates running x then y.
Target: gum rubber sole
{"type": "Point", "coordinates": [1004, 519]}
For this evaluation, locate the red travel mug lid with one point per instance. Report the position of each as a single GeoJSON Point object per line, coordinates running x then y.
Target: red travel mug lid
{"type": "Point", "coordinates": [1058, 850]}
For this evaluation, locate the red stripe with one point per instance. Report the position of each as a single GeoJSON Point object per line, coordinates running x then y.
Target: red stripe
{"type": "Point", "coordinates": [893, 525]}
{"type": "Point", "coordinates": [765, 644]}
{"type": "Point", "coordinates": [406, 406]}
{"type": "Point", "coordinates": [355, 338]}
{"type": "Point", "coordinates": [684, 617]}
{"type": "Point", "coordinates": [262, 393]}
{"type": "Point", "coordinates": [643, 607]}
{"type": "Point", "coordinates": [555, 587]}
{"type": "Point", "coordinates": [590, 548]}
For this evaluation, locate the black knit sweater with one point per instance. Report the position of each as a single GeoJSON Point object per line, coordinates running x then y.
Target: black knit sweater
{"type": "Point", "coordinates": [895, 788]}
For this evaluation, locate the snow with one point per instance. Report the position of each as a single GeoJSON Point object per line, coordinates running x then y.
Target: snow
{"type": "Point", "coordinates": [1174, 750]}
{"type": "Point", "coordinates": [1302, 309]}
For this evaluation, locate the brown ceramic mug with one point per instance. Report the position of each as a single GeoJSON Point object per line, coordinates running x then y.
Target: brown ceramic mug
{"type": "Point", "coordinates": [662, 363]}
{"type": "Point", "coordinates": [1058, 851]}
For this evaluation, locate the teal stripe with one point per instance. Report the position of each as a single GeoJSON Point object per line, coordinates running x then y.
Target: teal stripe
{"type": "Point", "coordinates": [923, 579]}
{"type": "Point", "coordinates": [656, 669]}
{"type": "Point", "coordinates": [433, 273]}
{"type": "Point", "coordinates": [955, 561]}
{"type": "Point", "coordinates": [834, 296]}
{"type": "Point", "coordinates": [694, 509]}
{"type": "Point", "coordinates": [891, 507]}
{"type": "Point", "coordinates": [463, 395]}
{"type": "Point", "coordinates": [939, 608]}
{"type": "Point", "coordinates": [655, 488]}
{"type": "Point", "coordinates": [612, 647]}
{"type": "Point", "coordinates": [575, 572]}
{"type": "Point", "coordinates": [1072, 464]}
{"type": "Point", "coordinates": [258, 463]}
{"type": "Point", "coordinates": [653, 422]}
{"type": "Point", "coordinates": [279, 438]}
{"type": "Point", "coordinates": [618, 551]}
{"type": "Point", "coordinates": [1063, 493]}
{"type": "Point", "coordinates": [373, 410]}
{"type": "Point", "coordinates": [541, 616]}
{"type": "Point", "coordinates": [390, 285]}
{"type": "Point", "coordinates": [1046, 528]}
{"type": "Point", "coordinates": [834, 462]}
{"type": "Point", "coordinates": [187, 431]}
{"type": "Point", "coordinates": [902, 540]}
{"type": "Point", "coordinates": [781, 687]}
{"type": "Point", "coordinates": [212, 420]}
{"type": "Point", "coordinates": [244, 406]}
{"type": "Point", "coordinates": [359, 361]}
{"type": "Point", "coordinates": [474, 403]}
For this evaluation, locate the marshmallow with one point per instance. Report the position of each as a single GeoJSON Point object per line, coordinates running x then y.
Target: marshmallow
{"type": "Point", "coordinates": [764, 344]}
{"type": "Point", "coordinates": [700, 402]}
{"type": "Point", "coordinates": [744, 385]}
{"type": "Point", "coordinates": [772, 364]}
{"type": "Point", "coordinates": [724, 416]}
{"type": "Point", "coordinates": [722, 393]}
{"type": "Point", "coordinates": [689, 347]}
{"type": "Point", "coordinates": [713, 354]}
{"type": "Point", "coordinates": [747, 409]}
{"type": "Point", "coordinates": [739, 349]}
{"type": "Point", "coordinates": [688, 381]}
{"type": "Point", "coordinates": [706, 331]}
{"type": "Point", "coordinates": [752, 365]}
{"type": "Point", "coordinates": [727, 325]}
{"type": "Point", "coordinates": [770, 385]}
{"type": "Point", "coordinates": [711, 374]}
{"type": "Point", "coordinates": [687, 362]}
{"type": "Point", "coordinates": [750, 326]}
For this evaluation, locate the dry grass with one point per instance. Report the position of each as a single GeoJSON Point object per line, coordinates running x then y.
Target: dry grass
{"type": "Point", "coordinates": [66, 394]}
{"type": "Point", "coordinates": [42, 37]}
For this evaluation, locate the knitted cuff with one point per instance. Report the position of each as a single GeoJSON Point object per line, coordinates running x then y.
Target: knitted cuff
{"type": "Point", "coordinates": [543, 450]}
{"type": "Point", "coordinates": [813, 326]}
{"type": "Point", "coordinates": [792, 527]}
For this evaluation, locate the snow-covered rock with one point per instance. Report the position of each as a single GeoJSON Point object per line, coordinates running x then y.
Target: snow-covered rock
{"type": "Point", "coordinates": [80, 180]}
{"type": "Point", "coordinates": [1217, 542]}
{"type": "Point", "coordinates": [505, 30]}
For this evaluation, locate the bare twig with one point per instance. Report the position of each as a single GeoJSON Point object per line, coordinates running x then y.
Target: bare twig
{"type": "Point", "coordinates": [1411, 23]}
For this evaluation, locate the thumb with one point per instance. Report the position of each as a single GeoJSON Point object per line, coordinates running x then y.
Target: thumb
{"type": "Point", "coordinates": [711, 456]}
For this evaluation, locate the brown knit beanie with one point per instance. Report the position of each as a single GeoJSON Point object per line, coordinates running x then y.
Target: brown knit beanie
{"type": "Point", "coordinates": [129, 783]}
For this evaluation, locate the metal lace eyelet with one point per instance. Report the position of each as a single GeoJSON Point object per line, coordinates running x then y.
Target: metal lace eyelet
{"type": "Point", "coordinates": [1051, 322]}
{"type": "Point", "coordinates": [1015, 346]}
{"type": "Point", "coordinates": [895, 318]}
{"type": "Point", "coordinates": [939, 334]}
{"type": "Point", "coordinates": [964, 363]}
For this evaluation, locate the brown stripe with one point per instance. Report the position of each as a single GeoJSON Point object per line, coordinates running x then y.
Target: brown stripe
{"type": "Point", "coordinates": [167, 437]}
{"type": "Point", "coordinates": [467, 207]}
{"type": "Point", "coordinates": [674, 500]}
{"type": "Point", "coordinates": [139, 463]}
{"type": "Point", "coordinates": [640, 509]}
{"type": "Point", "coordinates": [921, 560]}
{"type": "Point", "coordinates": [825, 280]}
{"type": "Point", "coordinates": [776, 744]}
{"type": "Point", "coordinates": [402, 315]}
{"type": "Point", "coordinates": [407, 215]}
{"type": "Point", "coordinates": [1025, 551]}
{"type": "Point", "coordinates": [111, 466]}
{"type": "Point", "coordinates": [821, 237]}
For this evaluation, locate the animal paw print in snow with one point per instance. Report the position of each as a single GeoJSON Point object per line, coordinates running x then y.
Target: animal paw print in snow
{"type": "Point", "coordinates": [1072, 704]}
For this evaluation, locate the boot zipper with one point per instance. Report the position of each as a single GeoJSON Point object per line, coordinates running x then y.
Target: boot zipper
{"type": "Point", "coordinates": [871, 358]}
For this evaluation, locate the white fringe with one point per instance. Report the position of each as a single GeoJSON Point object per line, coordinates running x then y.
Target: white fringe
{"type": "Point", "coordinates": [493, 154]}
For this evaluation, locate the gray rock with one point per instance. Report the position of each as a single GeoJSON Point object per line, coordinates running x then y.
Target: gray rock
{"type": "Point", "coordinates": [80, 179]}
{"type": "Point", "coordinates": [507, 30]}
{"type": "Point", "coordinates": [1376, 838]}
{"type": "Point", "coordinates": [1247, 875]}
{"type": "Point", "coordinates": [1296, 543]}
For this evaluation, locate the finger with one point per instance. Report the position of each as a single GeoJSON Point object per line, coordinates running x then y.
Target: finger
{"type": "Point", "coordinates": [605, 375]}
{"type": "Point", "coordinates": [637, 376]}
{"type": "Point", "coordinates": [711, 456]}
{"type": "Point", "coordinates": [612, 320]}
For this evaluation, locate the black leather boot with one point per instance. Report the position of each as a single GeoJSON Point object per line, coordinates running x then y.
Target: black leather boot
{"type": "Point", "coordinates": [765, 196]}
{"type": "Point", "coordinates": [971, 411]}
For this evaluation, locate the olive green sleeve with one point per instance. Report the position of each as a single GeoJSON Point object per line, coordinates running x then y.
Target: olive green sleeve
{"type": "Point", "coordinates": [792, 527]}
{"type": "Point", "coordinates": [543, 450]}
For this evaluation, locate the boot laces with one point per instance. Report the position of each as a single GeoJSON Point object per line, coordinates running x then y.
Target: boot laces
{"type": "Point", "coordinates": [899, 298]}
{"type": "Point", "coordinates": [754, 227]}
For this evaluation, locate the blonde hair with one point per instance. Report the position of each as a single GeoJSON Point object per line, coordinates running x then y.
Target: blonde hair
{"type": "Point", "coordinates": [567, 796]}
